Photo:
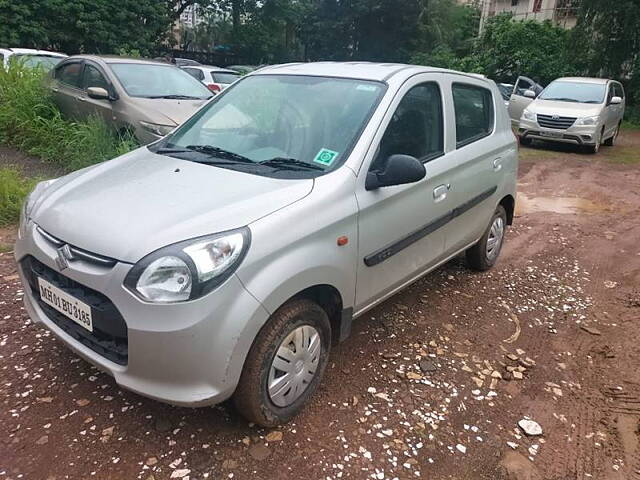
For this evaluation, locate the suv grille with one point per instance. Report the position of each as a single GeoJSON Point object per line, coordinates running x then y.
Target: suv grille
{"type": "Point", "coordinates": [109, 336]}
{"type": "Point", "coordinates": [559, 123]}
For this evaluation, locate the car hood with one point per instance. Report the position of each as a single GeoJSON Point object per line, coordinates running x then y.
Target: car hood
{"type": "Point", "coordinates": [166, 111]}
{"type": "Point", "coordinates": [564, 109]}
{"type": "Point", "coordinates": [137, 203]}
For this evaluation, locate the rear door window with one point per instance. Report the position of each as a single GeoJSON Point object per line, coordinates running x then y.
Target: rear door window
{"type": "Point", "coordinates": [70, 74]}
{"type": "Point", "coordinates": [474, 112]}
{"type": "Point", "coordinates": [224, 77]}
{"type": "Point", "coordinates": [195, 73]}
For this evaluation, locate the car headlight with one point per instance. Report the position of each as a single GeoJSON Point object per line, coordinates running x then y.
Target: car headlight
{"type": "Point", "coordinates": [190, 269]}
{"type": "Point", "coordinates": [157, 128]}
{"type": "Point", "coordinates": [529, 115]}
{"type": "Point", "coordinates": [30, 201]}
{"type": "Point", "coordinates": [586, 121]}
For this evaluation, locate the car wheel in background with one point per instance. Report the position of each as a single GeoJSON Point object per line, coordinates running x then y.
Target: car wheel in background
{"type": "Point", "coordinates": [484, 254]}
{"type": "Point", "coordinates": [285, 363]}
{"type": "Point", "coordinates": [610, 141]}
{"type": "Point", "coordinates": [525, 141]}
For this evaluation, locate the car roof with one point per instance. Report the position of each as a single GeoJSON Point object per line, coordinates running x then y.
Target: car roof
{"type": "Point", "coordinates": [116, 59]}
{"type": "Point", "coordinates": [210, 68]}
{"type": "Point", "coordinates": [358, 70]}
{"type": "Point", "coordinates": [32, 51]}
{"type": "Point", "coordinates": [599, 81]}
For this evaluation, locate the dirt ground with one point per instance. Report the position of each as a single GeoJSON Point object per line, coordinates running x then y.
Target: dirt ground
{"type": "Point", "coordinates": [428, 386]}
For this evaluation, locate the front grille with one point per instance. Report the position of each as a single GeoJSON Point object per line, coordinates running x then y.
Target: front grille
{"type": "Point", "coordinates": [556, 122]}
{"type": "Point", "coordinates": [109, 336]}
{"type": "Point", "coordinates": [77, 253]}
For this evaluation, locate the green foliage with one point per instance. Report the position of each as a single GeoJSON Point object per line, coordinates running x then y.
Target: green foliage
{"type": "Point", "coordinates": [30, 121]}
{"type": "Point", "coordinates": [13, 190]}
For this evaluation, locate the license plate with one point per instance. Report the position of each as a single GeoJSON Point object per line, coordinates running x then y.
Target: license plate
{"type": "Point", "coordinates": [551, 134]}
{"type": "Point", "coordinates": [66, 304]}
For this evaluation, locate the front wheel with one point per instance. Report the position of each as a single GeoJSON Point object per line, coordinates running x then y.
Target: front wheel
{"type": "Point", "coordinates": [484, 254]}
{"type": "Point", "coordinates": [610, 141]}
{"type": "Point", "coordinates": [525, 141]}
{"type": "Point", "coordinates": [285, 364]}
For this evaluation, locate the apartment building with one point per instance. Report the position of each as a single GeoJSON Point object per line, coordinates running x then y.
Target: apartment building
{"type": "Point", "coordinates": [561, 12]}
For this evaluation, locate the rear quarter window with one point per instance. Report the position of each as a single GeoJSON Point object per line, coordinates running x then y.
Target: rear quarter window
{"type": "Point", "coordinates": [474, 111]}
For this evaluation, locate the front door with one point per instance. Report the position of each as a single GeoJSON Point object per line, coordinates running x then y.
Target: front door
{"type": "Point", "coordinates": [518, 102]}
{"type": "Point", "coordinates": [94, 77]}
{"type": "Point", "coordinates": [400, 228]}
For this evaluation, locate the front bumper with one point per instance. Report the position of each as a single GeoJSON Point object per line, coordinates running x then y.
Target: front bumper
{"type": "Point", "coordinates": [187, 354]}
{"type": "Point", "coordinates": [577, 135]}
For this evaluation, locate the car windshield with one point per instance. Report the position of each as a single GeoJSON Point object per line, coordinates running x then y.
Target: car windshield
{"type": "Point", "coordinates": [576, 92]}
{"type": "Point", "coordinates": [46, 62]}
{"type": "Point", "coordinates": [148, 80]}
{"type": "Point", "coordinates": [270, 124]}
{"type": "Point", "coordinates": [225, 77]}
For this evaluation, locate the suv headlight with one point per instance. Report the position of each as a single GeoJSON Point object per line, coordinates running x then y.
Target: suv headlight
{"type": "Point", "coordinates": [157, 128]}
{"type": "Point", "coordinates": [529, 115]}
{"type": "Point", "coordinates": [587, 121]}
{"type": "Point", "coordinates": [190, 269]}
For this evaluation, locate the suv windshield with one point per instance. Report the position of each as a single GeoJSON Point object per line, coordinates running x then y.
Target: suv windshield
{"type": "Point", "coordinates": [148, 80]}
{"type": "Point", "coordinates": [289, 126]}
{"type": "Point", "coordinates": [577, 92]}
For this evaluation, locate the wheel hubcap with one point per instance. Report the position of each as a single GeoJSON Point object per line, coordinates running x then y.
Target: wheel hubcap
{"type": "Point", "coordinates": [494, 242]}
{"type": "Point", "coordinates": [294, 365]}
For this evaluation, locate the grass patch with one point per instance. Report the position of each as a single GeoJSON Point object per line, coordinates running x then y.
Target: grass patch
{"type": "Point", "coordinates": [31, 122]}
{"type": "Point", "coordinates": [13, 190]}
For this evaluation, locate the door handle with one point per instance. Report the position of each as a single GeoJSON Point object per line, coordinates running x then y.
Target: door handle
{"type": "Point", "coordinates": [497, 164]}
{"type": "Point", "coordinates": [440, 192]}
{"type": "Point", "coordinates": [54, 90]}
{"type": "Point", "coordinates": [81, 99]}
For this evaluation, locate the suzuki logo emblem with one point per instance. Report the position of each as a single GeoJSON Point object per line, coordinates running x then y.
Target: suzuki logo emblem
{"type": "Point", "coordinates": [65, 255]}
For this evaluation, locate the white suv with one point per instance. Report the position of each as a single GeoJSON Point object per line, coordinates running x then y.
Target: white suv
{"type": "Point", "coordinates": [224, 259]}
{"type": "Point", "coordinates": [582, 111]}
{"type": "Point", "coordinates": [30, 57]}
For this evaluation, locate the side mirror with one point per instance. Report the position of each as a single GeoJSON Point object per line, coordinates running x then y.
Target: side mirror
{"type": "Point", "coordinates": [400, 169]}
{"type": "Point", "coordinates": [615, 101]}
{"type": "Point", "coordinates": [530, 94]}
{"type": "Point", "coordinates": [98, 93]}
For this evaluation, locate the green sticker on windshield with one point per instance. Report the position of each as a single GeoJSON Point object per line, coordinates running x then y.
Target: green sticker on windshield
{"type": "Point", "coordinates": [325, 157]}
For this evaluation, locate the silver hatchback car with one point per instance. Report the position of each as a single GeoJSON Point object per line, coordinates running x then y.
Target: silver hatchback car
{"type": "Point", "coordinates": [227, 257]}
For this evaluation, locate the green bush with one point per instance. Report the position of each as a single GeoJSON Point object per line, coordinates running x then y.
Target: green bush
{"type": "Point", "coordinates": [30, 121]}
{"type": "Point", "coordinates": [13, 190]}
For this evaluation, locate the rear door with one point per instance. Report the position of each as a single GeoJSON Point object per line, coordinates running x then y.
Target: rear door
{"type": "Point", "coordinates": [94, 76]}
{"type": "Point", "coordinates": [67, 87]}
{"type": "Point", "coordinates": [615, 112]}
{"type": "Point", "coordinates": [518, 102]}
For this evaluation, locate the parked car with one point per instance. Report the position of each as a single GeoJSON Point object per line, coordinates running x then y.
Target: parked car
{"type": "Point", "coordinates": [215, 78]}
{"type": "Point", "coordinates": [147, 98]}
{"type": "Point", "coordinates": [184, 62]}
{"type": "Point", "coordinates": [30, 58]}
{"type": "Point", "coordinates": [519, 101]}
{"type": "Point", "coordinates": [223, 259]}
{"type": "Point", "coordinates": [506, 90]}
{"type": "Point", "coordinates": [582, 111]}
{"type": "Point", "coordinates": [244, 69]}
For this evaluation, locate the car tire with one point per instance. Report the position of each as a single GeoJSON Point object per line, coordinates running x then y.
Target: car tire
{"type": "Point", "coordinates": [484, 254]}
{"type": "Point", "coordinates": [610, 141]}
{"type": "Point", "coordinates": [285, 329]}
{"type": "Point", "coordinates": [525, 141]}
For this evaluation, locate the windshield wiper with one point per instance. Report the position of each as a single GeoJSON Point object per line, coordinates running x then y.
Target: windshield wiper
{"type": "Point", "coordinates": [220, 153]}
{"type": "Point", "coordinates": [177, 97]}
{"type": "Point", "coordinates": [289, 163]}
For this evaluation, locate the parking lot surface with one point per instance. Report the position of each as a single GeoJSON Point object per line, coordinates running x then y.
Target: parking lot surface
{"type": "Point", "coordinates": [431, 384]}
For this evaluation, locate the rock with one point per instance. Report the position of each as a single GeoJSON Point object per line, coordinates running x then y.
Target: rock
{"type": "Point", "coordinates": [610, 284]}
{"type": "Point", "coordinates": [507, 376]}
{"type": "Point", "coordinates": [527, 362]}
{"type": "Point", "coordinates": [390, 356]}
{"type": "Point", "coordinates": [108, 431]}
{"type": "Point", "coordinates": [493, 384]}
{"type": "Point", "coordinates": [529, 427]}
{"type": "Point", "coordinates": [591, 330]}
{"type": "Point", "coordinates": [467, 369]}
{"type": "Point", "coordinates": [520, 352]}
{"type": "Point", "coordinates": [180, 473]}
{"type": "Point", "coordinates": [477, 381]}
{"type": "Point", "coordinates": [557, 392]}
{"type": "Point", "coordinates": [229, 464]}
{"type": "Point", "coordinates": [517, 375]}
{"type": "Point", "coordinates": [512, 357]}
{"type": "Point", "coordinates": [163, 425]}
{"type": "Point", "coordinates": [246, 441]}
{"type": "Point", "coordinates": [496, 374]}
{"type": "Point", "coordinates": [427, 366]}
{"type": "Point", "coordinates": [562, 365]}
{"type": "Point", "coordinates": [448, 327]}
{"type": "Point", "coordinates": [83, 402]}
{"type": "Point", "coordinates": [151, 461]}
{"type": "Point", "coordinates": [414, 376]}
{"type": "Point", "coordinates": [275, 436]}
{"type": "Point", "coordinates": [513, 445]}
{"type": "Point", "coordinates": [44, 399]}
{"type": "Point", "coordinates": [43, 440]}
{"type": "Point", "coordinates": [259, 452]}
{"type": "Point", "coordinates": [461, 448]}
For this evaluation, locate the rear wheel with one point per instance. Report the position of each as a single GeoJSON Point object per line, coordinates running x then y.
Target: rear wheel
{"type": "Point", "coordinates": [285, 364]}
{"type": "Point", "coordinates": [484, 254]}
